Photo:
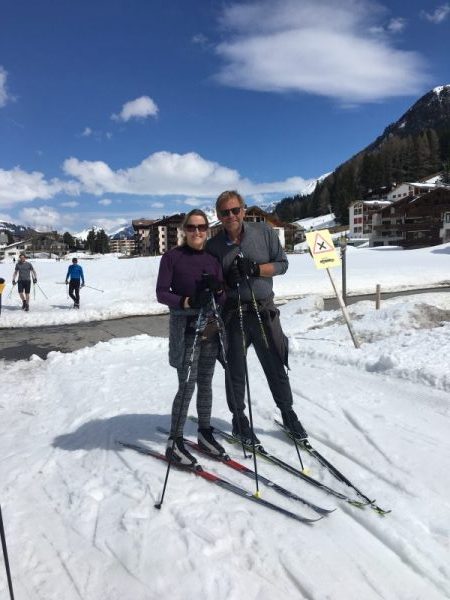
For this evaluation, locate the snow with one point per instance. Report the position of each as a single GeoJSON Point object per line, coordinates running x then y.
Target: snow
{"type": "Point", "coordinates": [321, 222]}
{"type": "Point", "coordinates": [79, 511]}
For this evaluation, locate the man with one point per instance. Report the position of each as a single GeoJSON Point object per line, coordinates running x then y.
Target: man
{"type": "Point", "coordinates": [24, 270]}
{"type": "Point", "coordinates": [75, 273]}
{"type": "Point", "coordinates": [251, 255]}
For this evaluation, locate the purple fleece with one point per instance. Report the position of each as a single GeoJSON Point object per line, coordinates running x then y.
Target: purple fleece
{"type": "Point", "coordinates": [179, 271]}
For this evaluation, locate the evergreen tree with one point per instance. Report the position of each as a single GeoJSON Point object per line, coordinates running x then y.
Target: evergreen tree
{"type": "Point", "coordinates": [90, 241]}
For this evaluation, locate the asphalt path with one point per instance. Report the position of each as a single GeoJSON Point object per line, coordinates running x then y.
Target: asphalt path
{"type": "Point", "coordinates": [22, 342]}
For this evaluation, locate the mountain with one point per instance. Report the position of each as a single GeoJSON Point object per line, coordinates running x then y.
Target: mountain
{"type": "Point", "coordinates": [415, 147]}
{"type": "Point", "coordinates": [124, 233]}
{"type": "Point", "coordinates": [19, 231]}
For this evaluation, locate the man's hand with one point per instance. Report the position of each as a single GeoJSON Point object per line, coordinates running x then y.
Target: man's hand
{"type": "Point", "coordinates": [234, 276]}
{"type": "Point", "coordinates": [35, 281]}
{"type": "Point", "coordinates": [82, 285]}
{"type": "Point", "coordinates": [14, 282]}
{"type": "Point", "coordinates": [66, 282]}
{"type": "Point", "coordinates": [247, 267]}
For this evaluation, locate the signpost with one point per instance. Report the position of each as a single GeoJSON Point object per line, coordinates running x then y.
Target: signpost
{"type": "Point", "coordinates": [325, 256]}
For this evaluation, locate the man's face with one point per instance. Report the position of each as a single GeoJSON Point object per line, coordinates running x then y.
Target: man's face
{"type": "Point", "coordinates": [231, 222]}
{"type": "Point", "coordinates": [22, 258]}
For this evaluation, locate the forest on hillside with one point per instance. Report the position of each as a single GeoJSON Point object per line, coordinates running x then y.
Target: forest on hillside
{"type": "Point", "coordinates": [396, 160]}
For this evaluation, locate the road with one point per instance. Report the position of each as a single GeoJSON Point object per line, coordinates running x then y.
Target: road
{"type": "Point", "coordinates": [22, 342]}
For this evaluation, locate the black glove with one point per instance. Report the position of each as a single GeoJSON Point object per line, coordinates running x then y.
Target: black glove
{"type": "Point", "coordinates": [34, 281]}
{"type": "Point", "coordinates": [234, 276]}
{"type": "Point", "coordinates": [14, 282]}
{"type": "Point", "coordinates": [210, 282]}
{"type": "Point", "coordinates": [247, 267]}
{"type": "Point", "coordinates": [200, 299]}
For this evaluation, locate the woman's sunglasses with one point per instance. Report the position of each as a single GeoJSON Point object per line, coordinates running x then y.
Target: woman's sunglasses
{"type": "Point", "coordinates": [227, 211]}
{"type": "Point", "coordinates": [192, 228]}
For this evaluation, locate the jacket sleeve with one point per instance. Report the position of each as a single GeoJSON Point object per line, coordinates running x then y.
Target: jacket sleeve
{"type": "Point", "coordinates": [68, 273]}
{"type": "Point", "coordinates": [164, 292]}
{"type": "Point", "coordinates": [82, 275]}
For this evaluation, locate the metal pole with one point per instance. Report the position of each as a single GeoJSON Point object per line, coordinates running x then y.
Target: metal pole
{"type": "Point", "coordinates": [5, 556]}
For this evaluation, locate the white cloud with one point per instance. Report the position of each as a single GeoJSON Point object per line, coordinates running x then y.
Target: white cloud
{"type": "Point", "coordinates": [4, 94]}
{"type": "Point", "coordinates": [165, 173]}
{"type": "Point", "coordinates": [396, 25]}
{"type": "Point", "coordinates": [141, 108]}
{"type": "Point", "coordinates": [6, 218]}
{"type": "Point", "coordinates": [43, 218]}
{"type": "Point", "coordinates": [438, 15]}
{"type": "Point", "coordinates": [157, 204]}
{"type": "Point", "coordinates": [322, 48]}
{"type": "Point", "coordinates": [87, 132]}
{"type": "Point", "coordinates": [17, 185]}
{"type": "Point", "coordinates": [70, 204]}
{"type": "Point", "coordinates": [105, 202]}
{"type": "Point", "coordinates": [193, 202]}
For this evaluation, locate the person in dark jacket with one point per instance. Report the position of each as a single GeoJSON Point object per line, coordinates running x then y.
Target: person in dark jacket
{"type": "Point", "coordinates": [187, 277]}
{"type": "Point", "coordinates": [252, 253]}
{"type": "Point", "coordinates": [76, 276]}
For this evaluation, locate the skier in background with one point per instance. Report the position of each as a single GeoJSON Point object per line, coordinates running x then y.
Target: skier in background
{"type": "Point", "coordinates": [24, 270]}
{"type": "Point", "coordinates": [76, 275]}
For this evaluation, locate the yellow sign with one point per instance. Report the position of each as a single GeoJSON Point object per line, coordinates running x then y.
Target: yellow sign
{"type": "Point", "coordinates": [322, 249]}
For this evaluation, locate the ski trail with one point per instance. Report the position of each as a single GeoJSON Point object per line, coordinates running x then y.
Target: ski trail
{"type": "Point", "coordinates": [292, 577]}
{"type": "Point", "coordinates": [368, 439]}
{"type": "Point", "coordinates": [64, 566]}
{"type": "Point", "coordinates": [395, 547]}
{"type": "Point", "coordinates": [122, 564]}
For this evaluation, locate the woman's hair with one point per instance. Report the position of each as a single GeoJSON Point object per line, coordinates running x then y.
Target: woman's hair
{"type": "Point", "coordinates": [195, 212]}
{"type": "Point", "coordinates": [224, 196]}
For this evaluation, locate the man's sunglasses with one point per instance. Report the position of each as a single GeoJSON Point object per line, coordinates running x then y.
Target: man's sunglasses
{"type": "Point", "coordinates": [226, 212]}
{"type": "Point", "coordinates": [192, 228]}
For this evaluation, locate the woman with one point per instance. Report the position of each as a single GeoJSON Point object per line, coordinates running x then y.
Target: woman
{"type": "Point", "coordinates": [186, 280]}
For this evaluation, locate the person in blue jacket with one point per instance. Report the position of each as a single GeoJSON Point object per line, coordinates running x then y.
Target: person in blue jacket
{"type": "Point", "coordinates": [75, 273]}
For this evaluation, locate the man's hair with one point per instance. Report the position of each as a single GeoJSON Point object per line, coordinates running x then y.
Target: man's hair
{"type": "Point", "coordinates": [227, 195]}
{"type": "Point", "coordinates": [74, 259]}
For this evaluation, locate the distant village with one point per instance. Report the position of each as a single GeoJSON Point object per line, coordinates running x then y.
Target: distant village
{"type": "Point", "coordinates": [408, 214]}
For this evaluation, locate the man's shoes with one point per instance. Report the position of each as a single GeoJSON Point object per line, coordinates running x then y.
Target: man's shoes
{"type": "Point", "coordinates": [291, 422]}
{"type": "Point", "coordinates": [207, 442]}
{"type": "Point", "coordinates": [24, 304]}
{"type": "Point", "coordinates": [76, 305]}
{"type": "Point", "coordinates": [242, 431]}
{"type": "Point", "coordinates": [26, 307]}
{"type": "Point", "coordinates": [180, 455]}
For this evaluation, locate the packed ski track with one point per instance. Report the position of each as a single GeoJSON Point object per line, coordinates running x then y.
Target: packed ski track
{"type": "Point", "coordinates": [79, 509]}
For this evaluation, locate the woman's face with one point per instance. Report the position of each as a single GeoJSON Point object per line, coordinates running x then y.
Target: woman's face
{"type": "Point", "coordinates": [196, 231]}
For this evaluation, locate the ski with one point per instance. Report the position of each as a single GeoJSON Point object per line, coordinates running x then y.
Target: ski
{"type": "Point", "coordinates": [289, 468]}
{"type": "Point", "coordinates": [213, 478]}
{"type": "Point", "coordinates": [233, 464]}
{"type": "Point", "coordinates": [306, 445]}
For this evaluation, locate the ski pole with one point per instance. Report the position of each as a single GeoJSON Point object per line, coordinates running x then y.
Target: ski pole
{"type": "Point", "coordinates": [255, 306]}
{"type": "Point", "coordinates": [39, 287]}
{"type": "Point", "coordinates": [221, 328]}
{"type": "Point", "coordinates": [250, 413]}
{"type": "Point", "coordinates": [93, 288]}
{"type": "Point", "coordinates": [182, 400]}
{"type": "Point", "coordinates": [263, 333]}
{"type": "Point", "coordinates": [5, 556]}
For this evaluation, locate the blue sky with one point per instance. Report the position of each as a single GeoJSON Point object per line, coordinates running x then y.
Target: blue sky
{"type": "Point", "coordinates": [119, 109]}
